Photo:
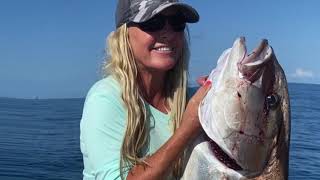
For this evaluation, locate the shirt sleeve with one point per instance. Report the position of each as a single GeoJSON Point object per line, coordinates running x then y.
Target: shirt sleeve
{"type": "Point", "coordinates": [102, 131]}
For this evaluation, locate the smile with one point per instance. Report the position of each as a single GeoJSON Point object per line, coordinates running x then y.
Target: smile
{"type": "Point", "coordinates": [164, 49]}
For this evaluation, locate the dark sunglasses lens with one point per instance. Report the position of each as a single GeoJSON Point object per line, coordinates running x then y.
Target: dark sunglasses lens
{"type": "Point", "coordinates": [179, 27]}
{"type": "Point", "coordinates": [154, 24]}
{"type": "Point", "coordinates": [177, 22]}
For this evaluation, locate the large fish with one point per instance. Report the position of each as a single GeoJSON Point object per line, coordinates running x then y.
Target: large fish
{"type": "Point", "coordinates": [246, 117]}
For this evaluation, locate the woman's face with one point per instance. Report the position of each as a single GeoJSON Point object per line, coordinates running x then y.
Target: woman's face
{"type": "Point", "coordinates": [159, 50]}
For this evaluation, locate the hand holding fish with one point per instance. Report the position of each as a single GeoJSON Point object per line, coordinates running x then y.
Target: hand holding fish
{"type": "Point", "coordinates": [190, 117]}
{"type": "Point", "coordinates": [201, 80]}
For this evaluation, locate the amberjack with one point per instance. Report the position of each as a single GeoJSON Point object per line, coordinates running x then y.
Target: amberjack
{"type": "Point", "coordinates": [246, 118]}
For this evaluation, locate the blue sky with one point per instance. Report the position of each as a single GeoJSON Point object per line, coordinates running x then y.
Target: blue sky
{"type": "Point", "coordinates": [55, 48]}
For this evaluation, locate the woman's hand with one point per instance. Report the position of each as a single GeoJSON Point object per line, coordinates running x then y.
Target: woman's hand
{"type": "Point", "coordinates": [190, 121]}
{"type": "Point", "coordinates": [201, 80]}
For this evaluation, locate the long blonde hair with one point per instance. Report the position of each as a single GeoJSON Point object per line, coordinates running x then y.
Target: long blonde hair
{"type": "Point", "coordinates": [120, 64]}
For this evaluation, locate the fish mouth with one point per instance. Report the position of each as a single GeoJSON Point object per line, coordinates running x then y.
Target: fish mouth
{"type": "Point", "coordinates": [223, 157]}
{"type": "Point", "coordinates": [252, 66]}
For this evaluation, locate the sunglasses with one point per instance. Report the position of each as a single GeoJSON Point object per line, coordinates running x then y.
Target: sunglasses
{"type": "Point", "coordinates": [177, 22]}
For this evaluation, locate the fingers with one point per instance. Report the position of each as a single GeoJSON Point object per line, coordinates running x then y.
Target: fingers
{"type": "Point", "coordinates": [206, 87]}
{"type": "Point", "coordinates": [201, 80]}
{"type": "Point", "coordinates": [202, 91]}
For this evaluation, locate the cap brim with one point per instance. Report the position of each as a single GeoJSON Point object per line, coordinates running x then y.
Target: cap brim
{"type": "Point", "coordinates": [189, 12]}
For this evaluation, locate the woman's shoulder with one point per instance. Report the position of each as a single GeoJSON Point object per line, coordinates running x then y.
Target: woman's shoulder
{"type": "Point", "coordinates": [106, 85]}
{"type": "Point", "coordinates": [103, 98]}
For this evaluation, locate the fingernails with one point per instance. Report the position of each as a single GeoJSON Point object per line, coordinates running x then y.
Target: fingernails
{"type": "Point", "coordinates": [208, 83]}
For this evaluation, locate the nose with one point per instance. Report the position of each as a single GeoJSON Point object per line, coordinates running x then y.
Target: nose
{"type": "Point", "coordinates": [167, 32]}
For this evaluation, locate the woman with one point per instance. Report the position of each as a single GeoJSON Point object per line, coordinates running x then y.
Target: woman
{"type": "Point", "coordinates": [136, 122]}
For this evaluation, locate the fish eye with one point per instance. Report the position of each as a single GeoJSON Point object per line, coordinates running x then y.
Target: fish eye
{"type": "Point", "coordinates": [272, 101]}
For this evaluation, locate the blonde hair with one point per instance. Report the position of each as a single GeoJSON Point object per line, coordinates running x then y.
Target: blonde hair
{"type": "Point", "coordinates": [122, 66]}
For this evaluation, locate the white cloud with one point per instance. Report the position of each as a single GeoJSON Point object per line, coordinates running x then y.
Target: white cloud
{"type": "Point", "coordinates": [303, 73]}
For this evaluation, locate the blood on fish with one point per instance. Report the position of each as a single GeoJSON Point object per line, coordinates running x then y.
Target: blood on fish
{"type": "Point", "coordinates": [223, 157]}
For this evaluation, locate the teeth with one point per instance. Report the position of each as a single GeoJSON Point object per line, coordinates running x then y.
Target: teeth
{"type": "Point", "coordinates": [164, 49]}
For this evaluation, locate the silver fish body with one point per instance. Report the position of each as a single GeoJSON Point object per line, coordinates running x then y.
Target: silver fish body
{"type": "Point", "coordinates": [246, 116]}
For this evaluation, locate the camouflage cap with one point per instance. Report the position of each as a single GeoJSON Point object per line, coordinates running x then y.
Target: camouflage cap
{"type": "Point", "coordinates": [142, 10]}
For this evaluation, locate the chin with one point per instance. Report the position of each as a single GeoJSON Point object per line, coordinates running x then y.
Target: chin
{"type": "Point", "coordinates": [166, 64]}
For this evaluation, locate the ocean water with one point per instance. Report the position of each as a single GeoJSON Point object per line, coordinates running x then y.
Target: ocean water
{"type": "Point", "coordinates": [39, 139]}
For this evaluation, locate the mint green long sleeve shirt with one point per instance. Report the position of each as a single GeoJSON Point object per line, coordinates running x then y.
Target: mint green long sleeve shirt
{"type": "Point", "coordinates": [102, 129]}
